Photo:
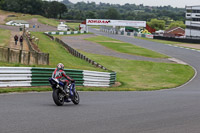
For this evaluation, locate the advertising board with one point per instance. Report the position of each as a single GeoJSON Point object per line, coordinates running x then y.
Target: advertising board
{"type": "Point", "coordinates": [108, 22]}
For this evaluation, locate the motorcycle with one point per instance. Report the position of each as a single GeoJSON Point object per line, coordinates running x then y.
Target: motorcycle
{"type": "Point", "coordinates": [60, 95]}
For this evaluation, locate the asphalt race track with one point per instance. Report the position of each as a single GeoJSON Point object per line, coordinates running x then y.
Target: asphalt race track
{"type": "Point", "coordinates": [166, 111]}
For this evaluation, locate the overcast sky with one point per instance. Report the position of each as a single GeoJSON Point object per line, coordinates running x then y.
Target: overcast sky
{"type": "Point", "coordinates": [174, 3]}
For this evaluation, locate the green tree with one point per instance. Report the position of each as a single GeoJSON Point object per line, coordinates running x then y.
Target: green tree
{"type": "Point", "coordinates": [82, 10]}
{"type": "Point", "coordinates": [177, 24]}
{"type": "Point", "coordinates": [11, 5]}
{"type": "Point", "coordinates": [2, 2]}
{"type": "Point", "coordinates": [90, 15]}
{"type": "Point", "coordinates": [54, 9]}
{"type": "Point", "coordinates": [157, 24]}
{"type": "Point", "coordinates": [101, 14]}
{"type": "Point", "coordinates": [30, 6]}
{"type": "Point", "coordinates": [112, 13]}
{"type": "Point", "coordinates": [67, 2]}
{"type": "Point", "coordinates": [62, 9]}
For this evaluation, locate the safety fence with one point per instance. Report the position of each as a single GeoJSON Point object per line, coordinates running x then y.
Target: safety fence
{"type": "Point", "coordinates": [32, 76]}
{"type": "Point", "coordinates": [23, 57]}
{"type": "Point", "coordinates": [66, 32]}
{"type": "Point", "coordinates": [112, 31]}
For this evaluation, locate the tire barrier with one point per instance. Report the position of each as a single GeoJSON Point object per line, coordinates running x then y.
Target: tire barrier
{"type": "Point", "coordinates": [32, 76]}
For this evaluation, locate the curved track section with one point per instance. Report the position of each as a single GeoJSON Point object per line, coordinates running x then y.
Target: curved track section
{"type": "Point", "coordinates": [165, 111]}
{"type": "Point", "coordinates": [187, 55]}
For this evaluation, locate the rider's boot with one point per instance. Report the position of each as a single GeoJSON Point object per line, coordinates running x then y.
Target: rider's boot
{"type": "Point", "coordinates": [66, 88]}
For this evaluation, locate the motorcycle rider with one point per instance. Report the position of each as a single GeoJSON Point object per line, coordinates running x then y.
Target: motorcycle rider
{"type": "Point", "coordinates": [60, 74]}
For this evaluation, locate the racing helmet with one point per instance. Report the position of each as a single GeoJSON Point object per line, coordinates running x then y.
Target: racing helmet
{"type": "Point", "coordinates": [60, 66]}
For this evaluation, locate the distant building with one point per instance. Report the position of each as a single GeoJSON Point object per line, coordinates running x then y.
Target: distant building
{"type": "Point", "coordinates": [62, 27]}
{"type": "Point", "coordinates": [174, 32]}
{"type": "Point", "coordinates": [192, 21]}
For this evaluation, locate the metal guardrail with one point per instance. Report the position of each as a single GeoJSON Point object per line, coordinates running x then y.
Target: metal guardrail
{"type": "Point", "coordinates": [15, 76]}
{"type": "Point", "coordinates": [113, 31]}
{"type": "Point", "coordinates": [31, 76]}
{"type": "Point", "coordinates": [65, 32]}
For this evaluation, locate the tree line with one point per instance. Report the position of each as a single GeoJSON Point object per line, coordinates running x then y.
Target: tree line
{"type": "Point", "coordinates": [83, 10]}
{"type": "Point", "coordinates": [48, 9]}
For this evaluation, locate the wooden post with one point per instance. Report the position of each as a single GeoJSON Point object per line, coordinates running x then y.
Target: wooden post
{"type": "Point", "coordinates": [29, 57]}
{"type": "Point", "coordinates": [20, 56]}
{"type": "Point", "coordinates": [48, 59]}
{"type": "Point", "coordinates": [37, 58]}
{"type": "Point", "coordinates": [8, 54]}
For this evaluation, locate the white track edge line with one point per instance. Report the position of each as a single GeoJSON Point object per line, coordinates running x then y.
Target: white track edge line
{"type": "Point", "coordinates": [195, 74]}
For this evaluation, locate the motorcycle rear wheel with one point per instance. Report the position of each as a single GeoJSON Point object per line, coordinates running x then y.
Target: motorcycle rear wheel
{"type": "Point", "coordinates": [58, 97]}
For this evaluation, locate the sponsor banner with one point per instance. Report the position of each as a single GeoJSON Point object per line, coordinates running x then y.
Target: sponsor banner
{"type": "Point", "coordinates": [149, 36]}
{"type": "Point", "coordinates": [108, 22]}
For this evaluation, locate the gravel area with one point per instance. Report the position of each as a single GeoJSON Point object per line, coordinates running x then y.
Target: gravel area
{"type": "Point", "coordinates": [40, 27]}
{"type": "Point", "coordinates": [78, 42]}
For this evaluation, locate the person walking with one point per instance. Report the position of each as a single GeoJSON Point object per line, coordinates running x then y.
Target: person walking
{"type": "Point", "coordinates": [21, 42]}
{"type": "Point", "coordinates": [16, 39]}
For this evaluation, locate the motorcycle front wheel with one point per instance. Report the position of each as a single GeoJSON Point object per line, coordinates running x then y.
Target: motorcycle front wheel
{"type": "Point", "coordinates": [58, 97]}
{"type": "Point", "coordinates": [76, 98]}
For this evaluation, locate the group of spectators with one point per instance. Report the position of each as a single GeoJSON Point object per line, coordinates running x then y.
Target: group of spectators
{"type": "Point", "coordinates": [16, 38]}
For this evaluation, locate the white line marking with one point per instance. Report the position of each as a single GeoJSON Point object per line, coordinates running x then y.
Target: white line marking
{"type": "Point", "coordinates": [189, 80]}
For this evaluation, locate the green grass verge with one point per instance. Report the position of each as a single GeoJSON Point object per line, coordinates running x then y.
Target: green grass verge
{"type": "Point", "coordinates": [73, 25]}
{"type": "Point", "coordinates": [51, 22]}
{"type": "Point", "coordinates": [4, 37]}
{"type": "Point", "coordinates": [160, 41]}
{"type": "Point", "coordinates": [143, 75]}
{"type": "Point", "coordinates": [125, 47]}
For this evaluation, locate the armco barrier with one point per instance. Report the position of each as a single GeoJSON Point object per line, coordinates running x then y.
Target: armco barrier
{"type": "Point", "coordinates": [112, 31]}
{"type": "Point", "coordinates": [28, 76]}
{"type": "Point", "coordinates": [40, 76]}
{"type": "Point", "coordinates": [15, 76]}
{"type": "Point", "coordinates": [66, 32]}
